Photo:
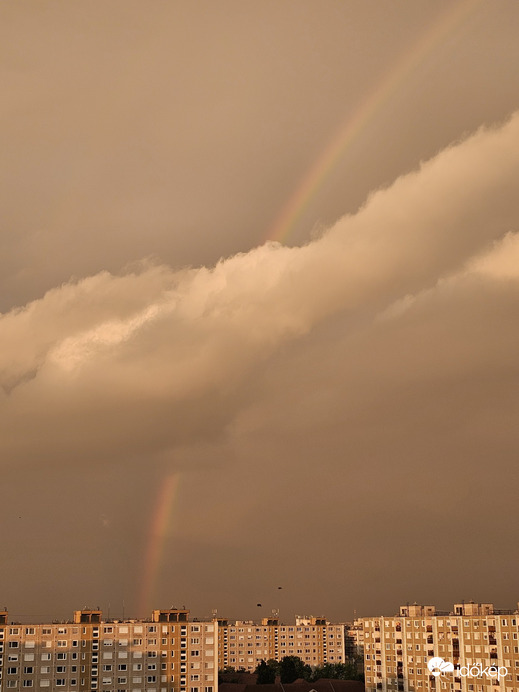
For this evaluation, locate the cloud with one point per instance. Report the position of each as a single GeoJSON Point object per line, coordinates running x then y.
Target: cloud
{"type": "Point", "coordinates": [121, 366]}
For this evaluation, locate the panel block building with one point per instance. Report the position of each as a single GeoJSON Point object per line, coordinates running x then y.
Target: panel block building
{"type": "Point", "coordinates": [244, 644]}
{"type": "Point", "coordinates": [475, 649]}
{"type": "Point", "coordinates": [164, 654]}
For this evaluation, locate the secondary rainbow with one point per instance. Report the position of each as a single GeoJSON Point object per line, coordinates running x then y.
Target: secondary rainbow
{"type": "Point", "coordinates": [450, 20]}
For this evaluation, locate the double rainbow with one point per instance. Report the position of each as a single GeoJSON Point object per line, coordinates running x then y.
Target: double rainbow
{"type": "Point", "coordinates": [453, 18]}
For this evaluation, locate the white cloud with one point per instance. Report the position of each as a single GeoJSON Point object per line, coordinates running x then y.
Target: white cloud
{"type": "Point", "coordinates": [117, 365]}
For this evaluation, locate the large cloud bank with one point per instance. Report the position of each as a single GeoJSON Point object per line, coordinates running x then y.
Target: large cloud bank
{"type": "Point", "coordinates": [141, 363]}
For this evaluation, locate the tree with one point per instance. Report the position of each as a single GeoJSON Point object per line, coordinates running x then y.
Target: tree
{"type": "Point", "coordinates": [266, 673]}
{"type": "Point", "coordinates": [292, 667]}
{"type": "Point", "coordinates": [227, 674]}
{"type": "Point", "coordinates": [337, 671]}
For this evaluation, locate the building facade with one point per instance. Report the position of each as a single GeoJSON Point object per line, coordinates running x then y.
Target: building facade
{"type": "Point", "coordinates": [164, 654]}
{"type": "Point", "coordinates": [474, 648]}
{"type": "Point", "coordinates": [244, 644]}
{"type": "Point", "coordinates": [167, 653]}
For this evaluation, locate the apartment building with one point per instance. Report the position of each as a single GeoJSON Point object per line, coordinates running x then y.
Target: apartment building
{"type": "Point", "coordinates": [244, 644]}
{"type": "Point", "coordinates": [166, 653]}
{"type": "Point", "coordinates": [475, 649]}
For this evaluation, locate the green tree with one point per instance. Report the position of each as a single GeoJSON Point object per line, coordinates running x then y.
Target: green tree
{"type": "Point", "coordinates": [266, 673]}
{"type": "Point", "coordinates": [292, 667]}
{"type": "Point", "coordinates": [337, 671]}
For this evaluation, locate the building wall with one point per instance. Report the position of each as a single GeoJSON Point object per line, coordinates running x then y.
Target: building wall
{"type": "Point", "coordinates": [397, 649]}
{"type": "Point", "coordinates": [244, 644]}
{"type": "Point", "coordinates": [113, 656]}
{"type": "Point", "coordinates": [166, 653]}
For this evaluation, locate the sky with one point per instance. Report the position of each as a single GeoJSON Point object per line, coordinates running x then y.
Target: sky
{"type": "Point", "coordinates": [259, 288]}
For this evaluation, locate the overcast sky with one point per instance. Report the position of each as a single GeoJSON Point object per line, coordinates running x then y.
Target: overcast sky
{"type": "Point", "coordinates": [259, 285]}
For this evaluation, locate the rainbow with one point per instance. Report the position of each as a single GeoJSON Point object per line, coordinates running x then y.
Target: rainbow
{"type": "Point", "coordinates": [447, 23]}
{"type": "Point", "coordinates": [159, 529]}
{"type": "Point", "coordinates": [449, 20]}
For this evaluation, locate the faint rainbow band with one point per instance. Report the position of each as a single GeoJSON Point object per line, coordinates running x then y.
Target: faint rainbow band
{"type": "Point", "coordinates": [316, 175]}
{"type": "Point", "coordinates": [313, 180]}
{"type": "Point", "coordinates": [158, 533]}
